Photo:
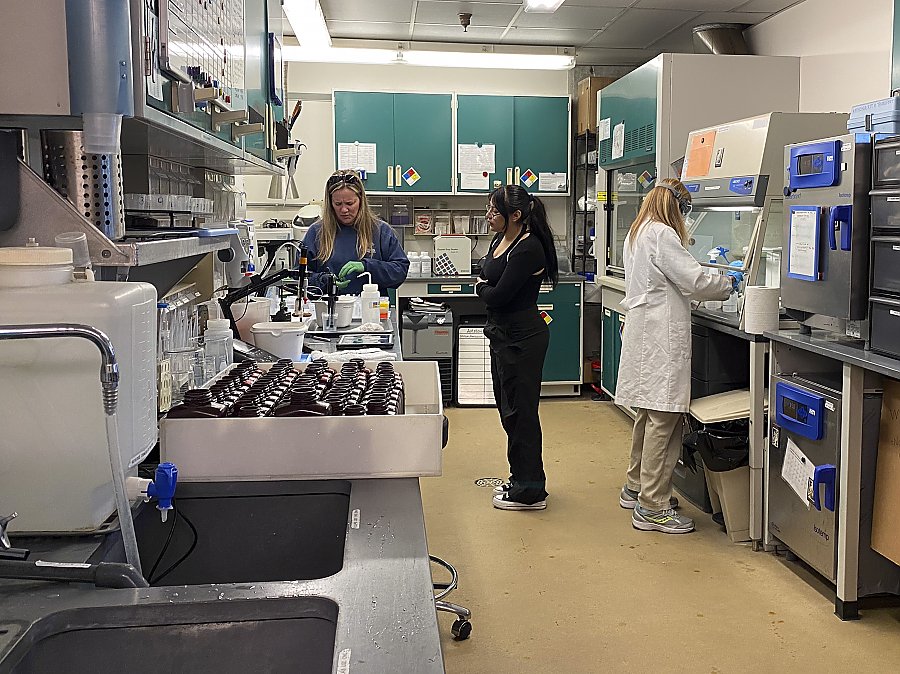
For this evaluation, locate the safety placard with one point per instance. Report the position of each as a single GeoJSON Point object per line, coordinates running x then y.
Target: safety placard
{"type": "Point", "coordinates": [528, 178]}
{"type": "Point", "coordinates": [411, 177]}
{"type": "Point", "coordinates": [646, 179]}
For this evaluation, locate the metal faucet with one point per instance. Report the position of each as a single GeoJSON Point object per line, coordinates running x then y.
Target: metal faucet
{"type": "Point", "coordinates": [7, 551]}
{"type": "Point", "coordinates": [109, 381]}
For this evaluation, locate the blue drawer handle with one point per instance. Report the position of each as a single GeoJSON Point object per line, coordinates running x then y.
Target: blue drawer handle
{"type": "Point", "coordinates": [824, 475]}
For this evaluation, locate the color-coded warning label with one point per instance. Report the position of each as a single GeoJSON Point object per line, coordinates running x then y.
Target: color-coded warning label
{"type": "Point", "coordinates": [646, 179]}
{"type": "Point", "coordinates": [548, 319]}
{"type": "Point", "coordinates": [528, 178]}
{"type": "Point", "coordinates": [410, 176]}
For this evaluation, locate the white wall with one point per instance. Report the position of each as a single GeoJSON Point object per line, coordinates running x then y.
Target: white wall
{"type": "Point", "coordinates": [314, 83]}
{"type": "Point", "coordinates": [844, 45]}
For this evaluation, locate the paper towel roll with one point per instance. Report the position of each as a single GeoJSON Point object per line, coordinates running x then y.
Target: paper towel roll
{"type": "Point", "coordinates": [761, 305]}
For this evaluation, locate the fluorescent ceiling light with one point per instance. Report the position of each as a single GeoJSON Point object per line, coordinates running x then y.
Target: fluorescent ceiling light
{"type": "Point", "coordinates": [545, 6]}
{"type": "Point", "coordinates": [443, 59]}
{"type": "Point", "coordinates": [308, 22]}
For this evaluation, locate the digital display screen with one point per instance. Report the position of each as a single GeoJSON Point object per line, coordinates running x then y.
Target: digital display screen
{"type": "Point", "coordinates": [808, 164]}
{"type": "Point", "coordinates": [793, 410]}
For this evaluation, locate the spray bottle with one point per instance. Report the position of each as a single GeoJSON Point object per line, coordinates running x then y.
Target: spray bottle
{"type": "Point", "coordinates": [713, 257]}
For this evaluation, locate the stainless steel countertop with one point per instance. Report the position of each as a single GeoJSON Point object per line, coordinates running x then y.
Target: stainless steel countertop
{"type": "Point", "coordinates": [842, 349]}
{"type": "Point", "coordinates": [386, 619]}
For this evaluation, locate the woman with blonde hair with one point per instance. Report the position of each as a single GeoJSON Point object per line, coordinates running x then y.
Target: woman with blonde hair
{"type": "Point", "coordinates": [350, 240]}
{"type": "Point", "coordinates": [661, 279]}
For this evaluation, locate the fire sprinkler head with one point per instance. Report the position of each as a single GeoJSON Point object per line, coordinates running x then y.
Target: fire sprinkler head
{"type": "Point", "coordinates": [465, 18]}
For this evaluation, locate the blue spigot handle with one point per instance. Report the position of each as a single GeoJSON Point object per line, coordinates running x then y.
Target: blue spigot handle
{"type": "Point", "coordinates": [163, 486]}
{"type": "Point", "coordinates": [824, 475]}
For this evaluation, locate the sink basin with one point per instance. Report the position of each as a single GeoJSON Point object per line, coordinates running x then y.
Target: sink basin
{"type": "Point", "coordinates": [245, 532]}
{"type": "Point", "coordinates": [264, 635]}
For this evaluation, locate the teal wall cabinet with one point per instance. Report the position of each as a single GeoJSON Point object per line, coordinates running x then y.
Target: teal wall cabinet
{"type": "Point", "coordinates": [413, 135]}
{"type": "Point", "coordinates": [529, 134]}
{"type": "Point", "coordinates": [562, 304]}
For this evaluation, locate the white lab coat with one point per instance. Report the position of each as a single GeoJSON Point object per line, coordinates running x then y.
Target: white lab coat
{"type": "Point", "coordinates": [661, 279]}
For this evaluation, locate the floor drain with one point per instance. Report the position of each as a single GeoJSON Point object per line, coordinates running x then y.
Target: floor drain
{"type": "Point", "coordinates": [488, 482]}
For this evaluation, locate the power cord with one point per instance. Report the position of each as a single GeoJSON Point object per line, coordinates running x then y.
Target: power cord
{"type": "Point", "coordinates": [177, 563]}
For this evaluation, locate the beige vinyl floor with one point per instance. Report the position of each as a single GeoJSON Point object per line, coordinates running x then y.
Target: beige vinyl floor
{"type": "Point", "coordinates": [575, 589]}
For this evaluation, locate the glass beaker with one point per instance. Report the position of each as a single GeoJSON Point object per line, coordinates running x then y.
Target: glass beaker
{"type": "Point", "coordinates": [216, 352]}
{"type": "Point", "coordinates": [188, 368]}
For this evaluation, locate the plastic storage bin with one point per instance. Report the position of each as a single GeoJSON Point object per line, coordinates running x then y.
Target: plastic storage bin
{"type": "Point", "coordinates": [882, 116]}
{"type": "Point", "coordinates": [884, 326]}
{"type": "Point", "coordinates": [885, 210]}
{"type": "Point", "coordinates": [886, 265]}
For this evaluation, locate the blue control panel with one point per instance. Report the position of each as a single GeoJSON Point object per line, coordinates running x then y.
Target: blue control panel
{"type": "Point", "coordinates": [692, 187]}
{"type": "Point", "coordinates": [800, 411]}
{"type": "Point", "coordinates": [742, 185]}
{"type": "Point", "coordinates": [815, 165]}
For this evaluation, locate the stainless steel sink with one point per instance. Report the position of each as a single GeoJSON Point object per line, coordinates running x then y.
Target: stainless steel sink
{"type": "Point", "coordinates": [252, 635]}
{"type": "Point", "coordinates": [240, 532]}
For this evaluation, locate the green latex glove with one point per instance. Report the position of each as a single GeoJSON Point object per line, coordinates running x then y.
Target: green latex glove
{"type": "Point", "coordinates": [340, 285]}
{"type": "Point", "coordinates": [351, 267]}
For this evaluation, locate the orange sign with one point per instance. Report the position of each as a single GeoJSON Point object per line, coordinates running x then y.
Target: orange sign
{"type": "Point", "coordinates": [700, 155]}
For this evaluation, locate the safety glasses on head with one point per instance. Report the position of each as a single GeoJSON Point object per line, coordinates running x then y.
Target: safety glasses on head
{"type": "Point", "coordinates": [340, 178]}
{"type": "Point", "coordinates": [684, 203]}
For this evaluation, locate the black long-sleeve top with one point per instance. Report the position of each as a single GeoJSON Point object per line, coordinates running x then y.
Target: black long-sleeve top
{"type": "Point", "coordinates": [511, 281]}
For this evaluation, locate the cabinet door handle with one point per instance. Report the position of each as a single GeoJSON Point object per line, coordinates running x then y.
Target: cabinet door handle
{"type": "Point", "coordinates": [518, 175]}
{"type": "Point", "coordinates": [390, 176]}
{"type": "Point", "coordinates": [509, 176]}
{"type": "Point", "coordinates": [398, 176]}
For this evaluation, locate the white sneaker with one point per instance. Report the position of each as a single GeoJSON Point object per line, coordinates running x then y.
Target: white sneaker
{"type": "Point", "coordinates": [502, 502]}
{"type": "Point", "coordinates": [502, 488]}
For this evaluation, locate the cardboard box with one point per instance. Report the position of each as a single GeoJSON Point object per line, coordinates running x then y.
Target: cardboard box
{"type": "Point", "coordinates": [586, 102]}
{"type": "Point", "coordinates": [452, 256]}
{"type": "Point", "coordinates": [886, 510]}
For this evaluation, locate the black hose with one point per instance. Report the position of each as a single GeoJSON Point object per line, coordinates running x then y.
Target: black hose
{"type": "Point", "coordinates": [154, 581]}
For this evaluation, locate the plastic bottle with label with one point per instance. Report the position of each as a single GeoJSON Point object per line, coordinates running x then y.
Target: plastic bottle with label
{"type": "Point", "coordinates": [370, 303]}
{"type": "Point", "coordinates": [426, 264]}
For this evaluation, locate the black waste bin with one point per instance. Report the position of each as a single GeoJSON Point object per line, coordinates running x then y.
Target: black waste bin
{"type": "Point", "coordinates": [723, 446]}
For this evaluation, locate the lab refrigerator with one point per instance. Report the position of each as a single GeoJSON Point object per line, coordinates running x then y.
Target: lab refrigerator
{"type": "Point", "coordinates": [805, 430]}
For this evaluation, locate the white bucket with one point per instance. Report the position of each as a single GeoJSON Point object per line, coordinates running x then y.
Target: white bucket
{"type": "Point", "coordinates": [280, 339]}
{"type": "Point", "coordinates": [248, 314]}
{"type": "Point", "coordinates": [344, 310]}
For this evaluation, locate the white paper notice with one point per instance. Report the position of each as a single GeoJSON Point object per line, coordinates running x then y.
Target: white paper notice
{"type": "Point", "coordinates": [475, 159]}
{"type": "Point", "coordinates": [603, 129]}
{"type": "Point", "coordinates": [798, 471]}
{"type": "Point", "coordinates": [473, 181]}
{"type": "Point", "coordinates": [804, 243]}
{"type": "Point", "coordinates": [357, 156]}
{"type": "Point", "coordinates": [552, 182]}
{"type": "Point", "coordinates": [618, 141]}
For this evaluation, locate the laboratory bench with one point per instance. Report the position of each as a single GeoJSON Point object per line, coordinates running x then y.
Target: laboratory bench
{"type": "Point", "coordinates": [379, 606]}
{"type": "Point", "coordinates": [854, 372]}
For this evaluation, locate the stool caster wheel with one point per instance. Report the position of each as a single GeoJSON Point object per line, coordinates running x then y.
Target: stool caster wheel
{"type": "Point", "coordinates": [461, 629]}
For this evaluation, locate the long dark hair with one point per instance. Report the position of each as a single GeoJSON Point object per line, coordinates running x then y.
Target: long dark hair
{"type": "Point", "coordinates": [512, 198]}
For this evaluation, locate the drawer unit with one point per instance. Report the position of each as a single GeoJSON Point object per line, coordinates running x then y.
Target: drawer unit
{"type": "Point", "coordinates": [886, 170]}
{"type": "Point", "coordinates": [884, 326]}
{"type": "Point", "coordinates": [451, 288]}
{"type": "Point", "coordinates": [886, 265]}
{"type": "Point", "coordinates": [885, 210]}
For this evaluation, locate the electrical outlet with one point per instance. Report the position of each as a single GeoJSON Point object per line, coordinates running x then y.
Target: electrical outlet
{"type": "Point", "coordinates": [164, 385]}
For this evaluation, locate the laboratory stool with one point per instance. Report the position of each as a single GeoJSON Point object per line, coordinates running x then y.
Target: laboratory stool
{"type": "Point", "coordinates": [461, 628]}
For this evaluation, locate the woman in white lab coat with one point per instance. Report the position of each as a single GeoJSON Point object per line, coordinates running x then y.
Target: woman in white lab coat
{"type": "Point", "coordinates": [661, 279]}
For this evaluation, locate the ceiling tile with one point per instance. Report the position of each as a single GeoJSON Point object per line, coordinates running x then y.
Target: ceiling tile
{"type": "Point", "coordinates": [584, 18]}
{"type": "Point", "coordinates": [691, 5]}
{"type": "Point", "coordinates": [483, 13]}
{"type": "Point", "coordinates": [770, 6]}
{"type": "Point", "coordinates": [640, 28]}
{"type": "Point", "coordinates": [440, 33]}
{"type": "Point", "coordinates": [366, 10]}
{"type": "Point", "coordinates": [368, 30]}
{"type": "Point", "coordinates": [730, 17]}
{"type": "Point", "coordinates": [621, 4]}
{"type": "Point", "coordinates": [560, 37]}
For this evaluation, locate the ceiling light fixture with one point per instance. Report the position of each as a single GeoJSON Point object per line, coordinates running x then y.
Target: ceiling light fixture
{"type": "Point", "coordinates": [308, 22]}
{"type": "Point", "coordinates": [441, 59]}
{"type": "Point", "coordinates": [542, 6]}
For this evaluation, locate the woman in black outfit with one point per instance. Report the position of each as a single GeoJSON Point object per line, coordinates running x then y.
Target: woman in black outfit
{"type": "Point", "coordinates": [521, 257]}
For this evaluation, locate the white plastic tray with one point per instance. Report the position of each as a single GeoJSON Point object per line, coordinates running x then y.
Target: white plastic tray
{"type": "Point", "coordinates": [281, 448]}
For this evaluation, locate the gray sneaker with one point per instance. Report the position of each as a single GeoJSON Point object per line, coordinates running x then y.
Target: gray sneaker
{"type": "Point", "coordinates": [667, 521]}
{"type": "Point", "coordinates": [629, 498]}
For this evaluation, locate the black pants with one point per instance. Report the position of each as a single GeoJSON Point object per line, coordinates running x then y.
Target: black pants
{"type": "Point", "coordinates": [518, 345]}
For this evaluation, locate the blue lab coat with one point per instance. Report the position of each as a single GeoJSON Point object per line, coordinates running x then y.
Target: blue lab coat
{"type": "Point", "coordinates": [386, 261]}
